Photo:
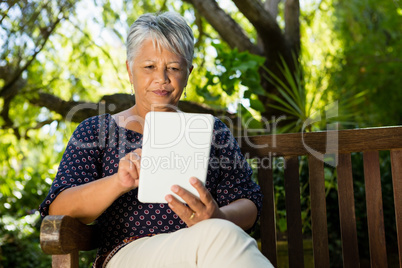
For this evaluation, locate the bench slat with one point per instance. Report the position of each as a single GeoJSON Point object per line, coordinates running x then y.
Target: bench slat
{"type": "Point", "coordinates": [318, 212]}
{"type": "Point", "coordinates": [293, 213]}
{"type": "Point", "coordinates": [347, 214]}
{"type": "Point", "coordinates": [267, 219]}
{"type": "Point", "coordinates": [352, 140]}
{"type": "Point", "coordinates": [66, 261]}
{"type": "Point", "coordinates": [375, 218]}
{"type": "Point", "coordinates": [396, 166]}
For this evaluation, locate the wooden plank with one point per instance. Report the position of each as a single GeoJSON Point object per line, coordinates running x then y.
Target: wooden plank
{"type": "Point", "coordinates": [293, 213]}
{"type": "Point", "coordinates": [347, 214]}
{"type": "Point", "coordinates": [62, 234]}
{"type": "Point", "coordinates": [343, 141]}
{"type": "Point", "coordinates": [318, 212]}
{"type": "Point", "coordinates": [267, 219]}
{"type": "Point", "coordinates": [396, 166]}
{"type": "Point", "coordinates": [65, 261]}
{"type": "Point", "coordinates": [375, 217]}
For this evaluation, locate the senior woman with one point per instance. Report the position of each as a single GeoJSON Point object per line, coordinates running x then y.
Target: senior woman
{"type": "Point", "coordinates": [98, 175]}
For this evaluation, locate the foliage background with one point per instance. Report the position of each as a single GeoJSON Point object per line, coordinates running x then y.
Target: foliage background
{"type": "Point", "coordinates": [351, 52]}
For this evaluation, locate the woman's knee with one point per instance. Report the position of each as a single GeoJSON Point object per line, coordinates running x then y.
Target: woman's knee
{"type": "Point", "coordinates": [222, 243]}
{"type": "Point", "coordinates": [218, 225]}
{"type": "Point", "coordinates": [219, 229]}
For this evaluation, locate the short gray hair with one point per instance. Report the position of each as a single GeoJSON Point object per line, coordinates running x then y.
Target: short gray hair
{"type": "Point", "coordinates": [168, 29]}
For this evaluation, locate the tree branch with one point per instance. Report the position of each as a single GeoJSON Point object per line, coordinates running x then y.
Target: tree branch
{"type": "Point", "coordinates": [273, 40]}
{"type": "Point", "coordinates": [32, 20]}
{"type": "Point", "coordinates": [4, 72]}
{"type": "Point", "coordinates": [292, 25]}
{"type": "Point", "coordinates": [4, 14]}
{"type": "Point", "coordinates": [200, 26]}
{"type": "Point", "coordinates": [272, 7]}
{"type": "Point", "coordinates": [227, 28]}
{"type": "Point", "coordinates": [77, 111]}
{"type": "Point", "coordinates": [37, 126]}
{"type": "Point", "coordinates": [261, 19]}
{"type": "Point", "coordinates": [6, 90]}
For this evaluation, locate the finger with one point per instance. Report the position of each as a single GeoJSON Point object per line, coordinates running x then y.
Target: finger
{"type": "Point", "coordinates": [135, 159]}
{"type": "Point", "coordinates": [189, 198]}
{"type": "Point", "coordinates": [130, 167]}
{"type": "Point", "coordinates": [138, 151]}
{"type": "Point", "coordinates": [204, 194]}
{"type": "Point", "coordinates": [134, 156]}
{"type": "Point", "coordinates": [127, 174]}
{"type": "Point", "coordinates": [184, 212]}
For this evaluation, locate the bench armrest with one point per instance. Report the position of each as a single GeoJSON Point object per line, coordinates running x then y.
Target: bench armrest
{"type": "Point", "coordinates": [60, 234]}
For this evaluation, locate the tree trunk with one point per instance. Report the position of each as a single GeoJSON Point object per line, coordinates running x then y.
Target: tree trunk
{"type": "Point", "coordinates": [273, 43]}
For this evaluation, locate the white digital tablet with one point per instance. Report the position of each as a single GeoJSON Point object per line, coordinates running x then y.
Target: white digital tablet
{"type": "Point", "coordinates": [176, 147]}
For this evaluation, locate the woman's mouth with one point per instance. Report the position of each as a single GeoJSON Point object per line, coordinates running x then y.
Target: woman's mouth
{"type": "Point", "coordinates": [161, 92]}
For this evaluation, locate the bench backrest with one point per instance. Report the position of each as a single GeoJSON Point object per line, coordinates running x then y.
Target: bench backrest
{"type": "Point", "coordinates": [317, 145]}
{"type": "Point", "coordinates": [66, 236]}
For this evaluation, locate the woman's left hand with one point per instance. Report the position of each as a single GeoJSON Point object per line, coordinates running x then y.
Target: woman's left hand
{"type": "Point", "coordinates": [199, 208]}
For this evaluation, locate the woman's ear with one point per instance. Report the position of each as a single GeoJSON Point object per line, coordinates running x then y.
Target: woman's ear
{"type": "Point", "coordinates": [191, 69]}
{"type": "Point", "coordinates": [129, 72]}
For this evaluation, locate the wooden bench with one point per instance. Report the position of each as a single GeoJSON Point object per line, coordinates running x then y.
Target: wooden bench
{"type": "Point", "coordinates": [64, 237]}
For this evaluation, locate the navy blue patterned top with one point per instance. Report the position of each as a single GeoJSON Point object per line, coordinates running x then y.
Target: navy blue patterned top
{"type": "Point", "coordinates": [93, 153]}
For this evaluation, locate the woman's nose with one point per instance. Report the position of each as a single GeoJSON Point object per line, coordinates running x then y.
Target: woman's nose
{"type": "Point", "coordinates": [162, 76]}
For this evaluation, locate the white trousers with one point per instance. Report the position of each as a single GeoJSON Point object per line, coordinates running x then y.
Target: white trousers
{"type": "Point", "coordinates": [207, 244]}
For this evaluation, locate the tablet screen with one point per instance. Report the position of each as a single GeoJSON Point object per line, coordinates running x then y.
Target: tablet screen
{"type": "Point", "coordinates": [176, 147]}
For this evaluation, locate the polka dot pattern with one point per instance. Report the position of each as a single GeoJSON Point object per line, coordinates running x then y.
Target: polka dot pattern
{"type": "Point", "coordinates": [93, 153]}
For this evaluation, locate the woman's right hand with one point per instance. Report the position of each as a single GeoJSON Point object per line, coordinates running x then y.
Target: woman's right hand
{"type": "Point", "coordinates": [129, 170]}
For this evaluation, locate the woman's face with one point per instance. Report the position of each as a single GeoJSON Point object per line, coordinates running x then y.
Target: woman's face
{"type": "Point", "coordinates": [158, 76]}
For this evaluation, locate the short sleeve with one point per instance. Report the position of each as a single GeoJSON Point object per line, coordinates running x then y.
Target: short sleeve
{"type": "Point", "coordinates": [234, 173]}
{"type": "Point", "coordinates": [80, 163]}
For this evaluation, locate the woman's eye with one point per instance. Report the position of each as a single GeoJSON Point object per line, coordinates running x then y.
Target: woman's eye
{"type": "Point", "coordinates": [149, 67]}
{"type": "Point", "coordinates": [174, 69]}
